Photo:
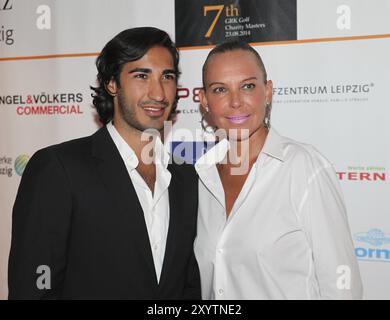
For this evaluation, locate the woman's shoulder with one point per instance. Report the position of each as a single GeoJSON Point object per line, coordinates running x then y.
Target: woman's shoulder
{"type": "Point", "coordinates": [301, 153]}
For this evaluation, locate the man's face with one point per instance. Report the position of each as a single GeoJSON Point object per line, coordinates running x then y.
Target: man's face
{"type": "Point", "coordinates": [147, 91]}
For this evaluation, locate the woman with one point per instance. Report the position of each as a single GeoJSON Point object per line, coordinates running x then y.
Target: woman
{"type": "Point", "coordinates": [272, 222]}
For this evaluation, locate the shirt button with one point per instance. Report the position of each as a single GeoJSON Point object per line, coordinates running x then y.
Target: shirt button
{"type": "Point", "coordinates": [155, 247]}
{"type": "Point", "coordinates": [220, 291]}
{"type": "Point", "coordinates": [220, 251]}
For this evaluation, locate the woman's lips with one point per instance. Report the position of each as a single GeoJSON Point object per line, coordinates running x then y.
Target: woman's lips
{"type": "Point", "coordinates": [238, 119]}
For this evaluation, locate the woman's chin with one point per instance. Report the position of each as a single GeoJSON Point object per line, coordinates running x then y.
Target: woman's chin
{"type": "Point", "coordinates": [233, 133]}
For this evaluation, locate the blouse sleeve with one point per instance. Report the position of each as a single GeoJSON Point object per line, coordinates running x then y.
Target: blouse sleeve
{"type": "Point", "coordinates": [325, 221]}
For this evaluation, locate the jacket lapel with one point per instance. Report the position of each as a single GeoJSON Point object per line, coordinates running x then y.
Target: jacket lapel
{"type": "Point", "coordinates": [174, 189]}
{"type": "Point", "coordinates": [114, 174]}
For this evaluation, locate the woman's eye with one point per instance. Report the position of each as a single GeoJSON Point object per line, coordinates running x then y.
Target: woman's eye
{"type": "Point", "coordinates": [219, 90]}
{"type": "Point", "coordinates": [248, 86]}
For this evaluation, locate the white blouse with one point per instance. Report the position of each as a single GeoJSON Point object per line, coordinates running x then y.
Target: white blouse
{"type": "Point", "coordinates": [287, 236]}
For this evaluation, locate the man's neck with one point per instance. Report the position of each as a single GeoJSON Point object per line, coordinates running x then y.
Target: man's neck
{"type": "Point", "coordinates": [133, 138]}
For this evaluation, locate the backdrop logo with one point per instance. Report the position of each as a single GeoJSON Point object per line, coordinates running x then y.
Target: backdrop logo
{"type": "Point", "coordinates": [5, 5]}
{"type": "Point", "coordinates": [6, 34]}
{"type": "Point", "coordinates": [205, 22]}
{"type": "Point", "coordinates": [323, 93]}
{"type": "Point", "coordinates": [373, 246]}
{"type": "Point", "coordinates": [44, 103]}
{"type": "Point", "coordinates": [6, 166]}
{"type": "Point", "coordinates": [363, 174]}
{"type": "Point", "coordinates": [20, 164]}
{"type": "Point", "coordinates": [188, 96]}
{"type": "Point", "coordinates": [190, 151]}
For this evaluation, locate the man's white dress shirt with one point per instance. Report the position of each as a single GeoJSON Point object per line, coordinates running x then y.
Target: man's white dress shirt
{"type": "Point", "coordinates": [287, 236]}
{"type": "Point", "coordinates": [154, 205]}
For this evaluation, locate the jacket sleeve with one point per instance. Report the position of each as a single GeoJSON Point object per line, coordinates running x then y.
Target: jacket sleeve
{"type": "Point", "coordinates": [40, 227]}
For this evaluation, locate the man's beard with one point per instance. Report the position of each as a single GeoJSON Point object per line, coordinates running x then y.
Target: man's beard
{"type": "Point", "coordinates": [128, 113]}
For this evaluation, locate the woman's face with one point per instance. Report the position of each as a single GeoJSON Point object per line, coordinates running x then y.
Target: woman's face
{"type": "Point", "coordinates": [235, 93]}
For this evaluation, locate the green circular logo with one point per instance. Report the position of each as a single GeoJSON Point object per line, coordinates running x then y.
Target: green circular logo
{"type": "Point", "coordinates": [20, 163]}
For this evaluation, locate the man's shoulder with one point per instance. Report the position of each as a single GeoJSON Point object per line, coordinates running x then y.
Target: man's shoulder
{"type": "Point", "coordinates": [71, 148]}
{"type": "Point", "coordinates": [67, 151]}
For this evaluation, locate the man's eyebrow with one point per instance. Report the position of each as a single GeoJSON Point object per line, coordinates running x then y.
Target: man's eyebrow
{"type": "Point", "coordinates": [143, 70]}
{"type": "Point", "coordinates": [169, 71]}
{"type": "Point", "coordinates": [147, 70]}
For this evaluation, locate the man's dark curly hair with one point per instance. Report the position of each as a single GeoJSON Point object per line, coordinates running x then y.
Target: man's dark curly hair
{"type": "Point", "coordinates": [128, 45]}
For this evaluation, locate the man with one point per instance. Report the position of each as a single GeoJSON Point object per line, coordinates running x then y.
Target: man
{"type": "Point", "coordinates": [94, 213]}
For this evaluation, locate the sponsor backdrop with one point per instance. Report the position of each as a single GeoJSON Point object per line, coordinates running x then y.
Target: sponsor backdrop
{"type": "Point", "coordinates": [328, 61]}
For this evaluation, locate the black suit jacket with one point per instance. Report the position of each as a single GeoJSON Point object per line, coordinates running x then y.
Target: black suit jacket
{"type": "Point", "coordinates": [77, 212]}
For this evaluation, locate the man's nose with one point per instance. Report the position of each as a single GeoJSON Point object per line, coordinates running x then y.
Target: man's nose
{"type": "Point", "coordinates": [156, 90]}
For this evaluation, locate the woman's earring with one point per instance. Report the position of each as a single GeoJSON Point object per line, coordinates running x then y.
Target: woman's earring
{"type": "Point", "coordinates": [267, 118]}
{"type": "Point", "coordinates": [205, 126]}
